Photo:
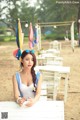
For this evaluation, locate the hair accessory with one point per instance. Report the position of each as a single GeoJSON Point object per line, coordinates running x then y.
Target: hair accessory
{"type": "Point", "coordinates": [30, 51]}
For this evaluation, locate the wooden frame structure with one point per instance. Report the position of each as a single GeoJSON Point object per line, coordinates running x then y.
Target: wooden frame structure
{"type": "Point", "coordinates": [48, 24]}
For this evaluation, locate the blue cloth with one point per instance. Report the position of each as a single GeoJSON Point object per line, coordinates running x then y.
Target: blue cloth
{"type": "Point", "coordinates": [37, 77]}
{"type": "Point", "coordinates": [18, 81]}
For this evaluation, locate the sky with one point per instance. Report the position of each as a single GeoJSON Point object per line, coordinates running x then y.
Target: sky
{"type": "Point", "coordinates": [32, 2]}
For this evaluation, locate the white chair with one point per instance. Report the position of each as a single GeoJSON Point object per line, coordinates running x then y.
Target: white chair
{"type": "Point", "coordinates": [48, 76]}
{"type": "Point", "coordinates": [58, 61]}
{"type": "Point", "coordinates": [41, 59]}
{"type": "Point", "coordinates": [52, 81]}
{"type": "Point", "coordinates": [43, 95]}
{"type": "Point", "coordinates": [55, 52]}
{"type": "Point", "coordinates": [54, 63]}
{"type": "Point", "coordinates": [55, 45]}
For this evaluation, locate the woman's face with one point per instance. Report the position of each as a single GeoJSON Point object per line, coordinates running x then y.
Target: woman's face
{"type": "Point", "coordinates": [28, 61]}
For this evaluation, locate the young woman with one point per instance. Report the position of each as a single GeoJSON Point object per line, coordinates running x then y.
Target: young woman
{"type": "Point", "coordinates": [27, 82]}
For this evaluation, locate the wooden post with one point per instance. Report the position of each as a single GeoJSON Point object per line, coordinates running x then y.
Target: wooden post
{"type": "Point", "coordinates": [38, 37]}
{"type": "Point", "coordinates": [72, 35]}
{"type": "Point", "coordinates": [79, 31]}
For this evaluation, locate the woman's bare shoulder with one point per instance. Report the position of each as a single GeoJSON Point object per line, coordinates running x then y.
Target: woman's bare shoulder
{"type": "Point", "coordinates": [14, 75]}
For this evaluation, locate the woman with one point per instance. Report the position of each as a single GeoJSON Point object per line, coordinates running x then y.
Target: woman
{"type": "Point", "coordinates": [27, 83]}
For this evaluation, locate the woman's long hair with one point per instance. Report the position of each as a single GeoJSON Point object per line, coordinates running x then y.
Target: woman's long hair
{"type": "Point", "coordinates": [24, 53]}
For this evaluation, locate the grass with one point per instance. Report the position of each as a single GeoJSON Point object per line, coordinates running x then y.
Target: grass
{"type": "Point", "coordinates": [10, 38]}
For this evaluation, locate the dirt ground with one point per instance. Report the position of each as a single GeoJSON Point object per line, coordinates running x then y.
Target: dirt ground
{"type": "Point", "coordinates": [9, 65]}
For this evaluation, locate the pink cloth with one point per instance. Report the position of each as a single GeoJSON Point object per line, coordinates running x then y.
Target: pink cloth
{"type": "Point", "coordinates": [31, 36]}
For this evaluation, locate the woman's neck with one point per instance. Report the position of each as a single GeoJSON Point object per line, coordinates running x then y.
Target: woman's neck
{"type": "Point", "coordinates": [26, 71]}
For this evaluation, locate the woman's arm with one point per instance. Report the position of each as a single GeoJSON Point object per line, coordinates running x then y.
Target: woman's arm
{"type": "Point", "coordinates": [17, 97]}
{"type": "Point", "coordinates": [38, 91]}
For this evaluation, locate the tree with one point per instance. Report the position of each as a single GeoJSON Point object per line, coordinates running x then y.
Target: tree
{"type": "Point", "coordinates": [57, 11]}
{"type": "Point", "coordinates": [12, 11]}
{"type": "Point", "coordinates": [78, 23]}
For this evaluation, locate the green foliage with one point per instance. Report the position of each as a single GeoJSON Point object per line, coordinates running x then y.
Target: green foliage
{"type": "Point", "coordinates": [11, 38]}
{"type": "Point", "coordinates": [7, 38]}
{"type": "Point", "coordinates": [59, 36]}
{"type": "Point", "coordinates": [51, 10]}
{"type": "Point", "coordinates": [55, 36]}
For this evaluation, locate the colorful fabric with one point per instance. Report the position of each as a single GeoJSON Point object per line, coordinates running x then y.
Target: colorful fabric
{"type": "Point", "coordinates": [17, 35]}
{"type": "Point", "coordinates": [20, 35]}
{"type": "Point", "coordinates": [19, 39]}
{"type": "Point", "coordinates": [31, 36]}
{"type": "Point", "coordinates": [17, 53]}
{"type": "Point", "coordinates": [35, 41]}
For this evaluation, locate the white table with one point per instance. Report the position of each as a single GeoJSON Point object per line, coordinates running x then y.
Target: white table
{"type": "Point", "coordinates": [60, 69]}
{"type": "Point", "coordinates": [53, 51]}
{"type": "Point", "coordinates": [44, 55]}
{"type": "Point", "coordinates": [43, 59]}
{"type": "Point", "coordinates": [47, 55]}
{"type": "Point", "coordinates": [42, 110]}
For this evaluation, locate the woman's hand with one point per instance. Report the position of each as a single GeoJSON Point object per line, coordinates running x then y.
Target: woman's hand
{"type": "Point", "coordinates": [21, 101]}
{"type": "Point", "coordinates": [30, 102]}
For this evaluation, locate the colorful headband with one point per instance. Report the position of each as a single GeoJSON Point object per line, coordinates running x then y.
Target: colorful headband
{"type": "Point", "coordinates": [30, 51]}
{"type": "Point", "coordinates": [17, 53]}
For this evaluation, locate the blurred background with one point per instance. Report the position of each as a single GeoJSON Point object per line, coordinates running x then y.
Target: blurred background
{"type": "Point", "coordinates": [39, 11]}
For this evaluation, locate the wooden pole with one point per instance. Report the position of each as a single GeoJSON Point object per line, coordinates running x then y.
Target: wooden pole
{"type": "Point", "coordinates": [72, 36]}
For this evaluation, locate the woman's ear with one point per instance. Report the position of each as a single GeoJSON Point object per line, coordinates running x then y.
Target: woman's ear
{"type": "Point", "coordinates": [20, 59]}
